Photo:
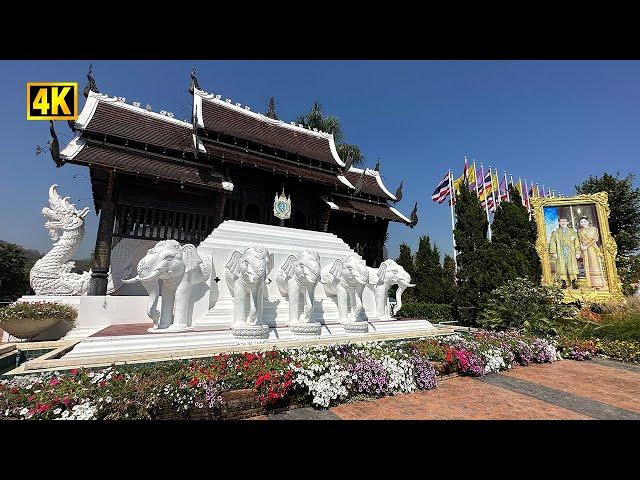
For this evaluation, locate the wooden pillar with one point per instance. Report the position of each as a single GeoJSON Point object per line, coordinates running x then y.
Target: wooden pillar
{"type": "Point", "coordinates": [324, 220]}
{"type": "Point", "coordinates": [102, 253]}
{"type": "Point", "coordinates": [221, 200]}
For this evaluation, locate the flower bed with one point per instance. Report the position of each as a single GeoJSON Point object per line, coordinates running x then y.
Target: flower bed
{"type": "Point", "coordinates": [244, 384]}
{"type": "Point", "coordinates": [576, 348]}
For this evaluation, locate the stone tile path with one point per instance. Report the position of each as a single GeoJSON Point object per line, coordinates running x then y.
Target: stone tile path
{"type": "Point", "coordinates": [565, 390]}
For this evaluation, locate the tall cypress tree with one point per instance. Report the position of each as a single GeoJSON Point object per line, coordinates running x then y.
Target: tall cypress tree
{"type": "Point", "coordinates": [471, 245]}
{"type": "Point", "coordinates": [514, 234]}
{"type": "Point", "coordinates": [428, 272]}
{"type": "Point", "coordinates": [449, 279]}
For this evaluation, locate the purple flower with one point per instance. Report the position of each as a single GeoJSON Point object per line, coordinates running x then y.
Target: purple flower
{"type": "Point", "coordinates": [523, 353]}
{"type": "Point", "coordinates": [424, 373]}
{"type": "Point", "coordinates": [368, 376]}
{"type": "Point", "coordinates": [543, 352]}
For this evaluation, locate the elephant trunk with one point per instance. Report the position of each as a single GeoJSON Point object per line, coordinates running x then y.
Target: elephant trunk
{"type": "Point", "coordinates": [152, 287]}
{"type": "Point", "coordinates": [402, 285]}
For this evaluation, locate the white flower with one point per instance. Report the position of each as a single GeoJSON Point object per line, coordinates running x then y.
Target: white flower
{"type": "Point", "coordinates": [57, 411]}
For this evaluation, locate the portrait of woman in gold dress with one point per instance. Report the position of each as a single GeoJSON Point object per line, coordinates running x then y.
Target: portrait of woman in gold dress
{"type": "Point", "coordinates": [588, 236]}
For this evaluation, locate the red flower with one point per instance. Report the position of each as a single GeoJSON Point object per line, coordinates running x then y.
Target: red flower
{"type": "Point", "coordinates": [14, 390]}
{"type": "Point", "coordinates": [102, 383]}
{"type": "Point", "coordinates": [54, 382]}
{"type": "Point", "coordinates": [31, 397]}
{"type": "Point", "coordinates": [74, 371]}
{"type": "Point", "coordinates": [194, 381]}
{"type": "Point", "coordinates": [66, 401]}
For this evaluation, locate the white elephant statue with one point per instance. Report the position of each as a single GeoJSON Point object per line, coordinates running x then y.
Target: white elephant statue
{"type": "Point", "coordinates": [297, 277]}
{"type": "Point", "coordinates": [345, 280]}
{"type": "Point", "coordinates": [169, 270]}
{"type": "Point", "coordinates": [381, 279]}
{"type": "Point", "coordinates": [246, 273]}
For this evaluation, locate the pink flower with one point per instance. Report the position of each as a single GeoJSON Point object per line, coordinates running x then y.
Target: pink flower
{"type": "Point", "coordinates": [54, 382]}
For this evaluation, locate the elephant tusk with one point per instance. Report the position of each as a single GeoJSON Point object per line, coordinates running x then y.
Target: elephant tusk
{"type": "Point", "coordinates": [131, 280]}
{"type": "Point", "coordinates": [138, 278]}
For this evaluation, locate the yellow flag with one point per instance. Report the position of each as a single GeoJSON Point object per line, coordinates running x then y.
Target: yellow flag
{"type": "Point", "coordinates": [519, 187]}
{"type": "Point", "coordinates": [471, 174]}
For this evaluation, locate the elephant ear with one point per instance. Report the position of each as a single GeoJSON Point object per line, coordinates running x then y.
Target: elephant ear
{"type": "Point", "coordinates": [232, 269]}
{"type": "Point", "coordinates": [270, 262]}
{"type": "Point", "coordinates": [289, 265]}
{"type": "Point", "coordinates": [336, 268]}
{"type": "Point", "coordinates": [382, 273]}
{"type": "Point", "coordinates": [190, 257]}
{"type": "Point", "coordinates": [234, 263]}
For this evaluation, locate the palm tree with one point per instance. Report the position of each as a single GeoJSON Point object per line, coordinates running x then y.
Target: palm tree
{"type": "Point", "coordinates": [330, 124]}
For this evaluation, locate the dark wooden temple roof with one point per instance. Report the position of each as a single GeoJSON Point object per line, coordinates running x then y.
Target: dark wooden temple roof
{"type": "Point", "coordinates": [118, 119]}
{"type": "Point", "coordinates": [221, 116]}
{"type": "Point", "coordinates": [112, 134]}
{"type": "Point", "coordinates": [271, 165]}
{"type": "Point", "coordinates": [371, 209]}
{"type": "Point", "coordinates": [140, 163]}
{"type": "Point", "coordinates": [372, 183]}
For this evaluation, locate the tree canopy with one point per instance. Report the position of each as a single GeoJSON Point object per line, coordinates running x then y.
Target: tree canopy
{"type": "Point", "coordinates": [315, 118]}
{"type": "Point", "coordinates": [14, 278]}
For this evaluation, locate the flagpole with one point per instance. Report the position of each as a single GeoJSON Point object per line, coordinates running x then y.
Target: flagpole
{"type": "Point", "coordinates": [453, 222]}
{"type": "Point", "coordinates": [475, 173]}
{"type": "Point", "coordinates": [506, 184]}
{"type": "Point", "coordinates": [498, 181]}
{"type": "Point", "coordinates": [493, 189]}
{"type": "Point", "coordinates": [521, 191]}
{"type": "Point", "coordinates": [486, 207]}
{"type": "Point", "coordinates": [526, 188]}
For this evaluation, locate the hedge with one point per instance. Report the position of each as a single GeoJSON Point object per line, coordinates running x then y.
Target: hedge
{"type": "Point", "coordinates": [429, 311]}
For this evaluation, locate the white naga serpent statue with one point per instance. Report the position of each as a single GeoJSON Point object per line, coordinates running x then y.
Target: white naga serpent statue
{"type": "Point", "coordinates": [51, 275]}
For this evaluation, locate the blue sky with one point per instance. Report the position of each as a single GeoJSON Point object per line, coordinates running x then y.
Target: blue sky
{"type": "Point", "coordinates": [552, 121]}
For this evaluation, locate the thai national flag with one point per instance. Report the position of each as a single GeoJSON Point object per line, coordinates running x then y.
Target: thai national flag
{"type": "Point", "coordinates": [442, 190]}
{"type": "Point", "coordinates": [491, 206]}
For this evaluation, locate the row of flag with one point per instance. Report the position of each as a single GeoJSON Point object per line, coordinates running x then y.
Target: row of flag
{"type": "Point", "coordinates": [488, 186]}
{"type": "Point", "coordinates": [490, 189]}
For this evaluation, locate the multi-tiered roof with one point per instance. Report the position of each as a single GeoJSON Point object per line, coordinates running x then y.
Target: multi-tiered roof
{"type": "Point", "coordinates": [132, 139]}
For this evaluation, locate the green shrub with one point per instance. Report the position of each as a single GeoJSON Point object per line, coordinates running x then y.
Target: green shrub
{"type": "Point", "coordinates": [38, 310]}
{"type": "Point", "coordinates": [617, 321]}
{"type": "Point", "coordinates": [431, 311]}
{"type": "Point", "coordinates": [522, 304]}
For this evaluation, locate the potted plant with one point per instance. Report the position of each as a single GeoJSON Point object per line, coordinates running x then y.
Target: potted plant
{"type": "Point", "coordinates": [26, 320]}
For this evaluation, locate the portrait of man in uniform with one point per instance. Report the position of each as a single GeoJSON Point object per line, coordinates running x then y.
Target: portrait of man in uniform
{"type": "Point", "coordinates": [564, 248]}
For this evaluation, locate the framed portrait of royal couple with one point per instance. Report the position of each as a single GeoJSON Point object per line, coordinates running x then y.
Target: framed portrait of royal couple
{"type": "Point", "coordinates": [576, 248]}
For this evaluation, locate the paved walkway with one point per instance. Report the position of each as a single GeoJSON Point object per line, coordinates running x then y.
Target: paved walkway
{"type": "Point", "coordinates": [565, 390]}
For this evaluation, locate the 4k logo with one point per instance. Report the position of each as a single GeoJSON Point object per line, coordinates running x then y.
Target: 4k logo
{"type": "Point", "coordinates": [52, 101]}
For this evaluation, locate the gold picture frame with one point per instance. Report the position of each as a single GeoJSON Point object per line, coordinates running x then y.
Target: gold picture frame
{"type": "Point", "coordinates": [610, 287]}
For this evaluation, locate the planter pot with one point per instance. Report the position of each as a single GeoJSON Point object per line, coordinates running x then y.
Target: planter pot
{"type": "Point", "coordinates": [27, 328]}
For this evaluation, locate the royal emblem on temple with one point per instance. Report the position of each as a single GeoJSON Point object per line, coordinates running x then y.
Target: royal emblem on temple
{"type": "Point", "coordinates": [282, 206]}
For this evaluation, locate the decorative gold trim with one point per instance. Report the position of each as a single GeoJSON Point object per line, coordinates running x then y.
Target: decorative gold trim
{"type": "Point", "coordinates": [601, 201]}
